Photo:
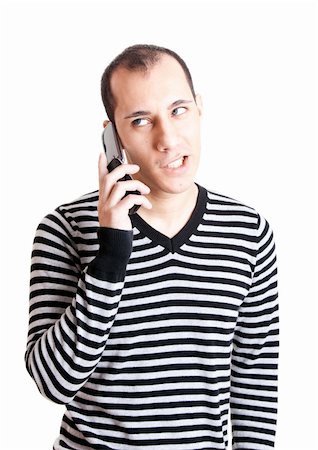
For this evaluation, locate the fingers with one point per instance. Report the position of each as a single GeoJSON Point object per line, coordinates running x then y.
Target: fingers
{"type": "Point", "coordinates": [102, 166]}
{"type": "Point", "coordinates": [122, 170]}
{"type": "Point", "coordinates": [122, 187]}
{"type": "Point", "coordinates": [116, 196]}
{"type": "Point", "coordinates": [117, 173]}
{"type": "Point", "coordinates": [132, 199]}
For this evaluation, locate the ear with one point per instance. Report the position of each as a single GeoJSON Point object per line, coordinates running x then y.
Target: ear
{"type": "Point", "coordinates": [105, 123]}
{"type": "Point", "coordinates": [198, 100]}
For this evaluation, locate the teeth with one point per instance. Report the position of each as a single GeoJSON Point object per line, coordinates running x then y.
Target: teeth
{"type": "Point", "coordinates": [176, 164]}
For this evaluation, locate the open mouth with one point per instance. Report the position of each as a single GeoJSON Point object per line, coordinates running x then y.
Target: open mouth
{"type": "Point", "coordinates": [177, 163]}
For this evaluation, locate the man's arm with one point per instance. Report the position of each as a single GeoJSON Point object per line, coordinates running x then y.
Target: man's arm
{"type": "Point", "coordinates": [255, 354]}
{"type": "Point", "coordinates": [71, 312]}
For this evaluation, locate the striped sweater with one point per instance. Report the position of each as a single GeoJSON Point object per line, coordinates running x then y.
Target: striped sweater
{"type": "Point", "coordinates": [152, 342]}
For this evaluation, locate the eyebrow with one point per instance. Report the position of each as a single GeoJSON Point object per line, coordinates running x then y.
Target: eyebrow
{"type": "Point", "coordinates": [146, 113]}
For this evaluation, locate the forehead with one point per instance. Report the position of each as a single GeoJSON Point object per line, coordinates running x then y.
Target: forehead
{"type": "Point", "coordinates": [164, 81]}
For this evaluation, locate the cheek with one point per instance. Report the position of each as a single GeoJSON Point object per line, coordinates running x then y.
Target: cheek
{"type": "Point", "coordinates": [141, 152]}
{"type": "Point", "coordinates": [191, 128]}
{"type": "Point", "coordinates": [135, 157]}
{"type": "Point", "coordinates": [192, 142]}
{"type": "Point", "coordinates": [195, 137]}
{"type": "Point", "coordinates": [137, 146]}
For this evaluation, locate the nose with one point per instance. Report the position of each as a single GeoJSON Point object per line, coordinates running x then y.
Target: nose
{"type": "Point", "coordinates": [167, 136]}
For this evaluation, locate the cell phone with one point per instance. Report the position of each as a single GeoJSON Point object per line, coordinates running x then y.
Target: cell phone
{"type": "Point", "coordinates": [116, 157]}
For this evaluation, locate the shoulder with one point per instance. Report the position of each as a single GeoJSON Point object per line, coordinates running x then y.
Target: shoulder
{"type": "Point", "coordinates": [230, 210]}
{"type": "Point", "coordinates": [236, 219]}
{"type": "Point", "coordinates": [84, 205]}
{"type": "Point", "coordinates": [229, 205]}
{"type": "Point", "coordinates": [77, 216]}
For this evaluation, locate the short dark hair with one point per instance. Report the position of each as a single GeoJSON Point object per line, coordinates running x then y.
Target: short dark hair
{"type": "Point", "coordinates": [138, 57]}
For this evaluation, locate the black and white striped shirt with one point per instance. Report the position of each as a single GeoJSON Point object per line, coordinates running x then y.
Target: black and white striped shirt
{"type": "Point", "coordinates": [149, 340]}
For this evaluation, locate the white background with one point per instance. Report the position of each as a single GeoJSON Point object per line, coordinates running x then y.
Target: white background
{"type": "Point", "coordinates": [255, 64]}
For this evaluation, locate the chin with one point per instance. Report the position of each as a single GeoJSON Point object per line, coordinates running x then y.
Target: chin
{"type": "Point", "coordinates": [175, 186]}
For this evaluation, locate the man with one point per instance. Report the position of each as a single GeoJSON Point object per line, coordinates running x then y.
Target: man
{"type": "Point", "coordinates": [148, 327]}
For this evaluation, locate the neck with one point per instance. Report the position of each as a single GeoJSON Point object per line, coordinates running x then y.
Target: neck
{"type": "Point", "coordinates": [170, 212]}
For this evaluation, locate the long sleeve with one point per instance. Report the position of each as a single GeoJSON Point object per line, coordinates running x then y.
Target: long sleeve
{"type": "Point", "coordinates": [255, 353]}
{"type": "Point", "coordinates": [72, 307]}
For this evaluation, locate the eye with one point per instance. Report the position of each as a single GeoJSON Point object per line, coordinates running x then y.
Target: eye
{"type": "Point", "coordinates": [178, 111]}
{"type": "Point", "coordinates": [139, 122]}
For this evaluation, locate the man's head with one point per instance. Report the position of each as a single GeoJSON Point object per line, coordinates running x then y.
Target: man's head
{"type": "Point", "coordinates": [136, 58]}
{"type": "Point", "coordinates": [157, 117]}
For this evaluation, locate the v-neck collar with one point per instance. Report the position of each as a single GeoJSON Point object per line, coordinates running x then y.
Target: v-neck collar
{"type": "Point", "coordinates": [174, 243]}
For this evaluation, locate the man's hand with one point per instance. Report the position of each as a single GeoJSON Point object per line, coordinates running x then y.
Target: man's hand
{"type": "Point", "coordinates": [113, 206]}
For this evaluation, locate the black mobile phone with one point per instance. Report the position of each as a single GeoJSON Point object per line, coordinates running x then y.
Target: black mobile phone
{"type": "Point", "coordinates": [115, 156]}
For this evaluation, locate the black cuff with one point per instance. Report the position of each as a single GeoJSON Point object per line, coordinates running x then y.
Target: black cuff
{"type": "Point", "coordinates": [115, 248]}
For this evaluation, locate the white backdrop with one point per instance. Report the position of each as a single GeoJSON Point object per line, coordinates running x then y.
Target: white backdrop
{"type": "Point", "coordinates": [255, 65]}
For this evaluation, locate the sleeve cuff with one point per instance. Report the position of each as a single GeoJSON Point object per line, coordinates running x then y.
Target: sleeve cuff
{"type": "Point", "coordinates": [115, 247]}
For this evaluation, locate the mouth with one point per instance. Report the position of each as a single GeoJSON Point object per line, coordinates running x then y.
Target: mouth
{"type": "Point", "coordinates": [176, 163]}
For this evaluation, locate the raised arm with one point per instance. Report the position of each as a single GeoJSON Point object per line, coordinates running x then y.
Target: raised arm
{"type": "Point", "coordinates": [73, 307]}
{"type": "Point", "coordinates": [71, 311]}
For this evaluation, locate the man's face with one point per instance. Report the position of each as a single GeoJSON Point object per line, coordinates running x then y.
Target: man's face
{"type": "Point", "coordinates": [158, 122]}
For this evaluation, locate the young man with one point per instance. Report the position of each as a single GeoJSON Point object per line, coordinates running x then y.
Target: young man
{"type": "Point", "coordinates": [148, 327]}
